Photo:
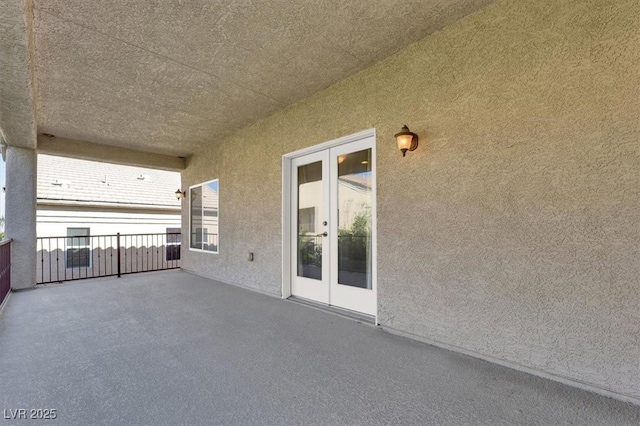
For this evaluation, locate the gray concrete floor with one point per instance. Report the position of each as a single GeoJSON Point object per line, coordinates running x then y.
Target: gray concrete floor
{"type": "Point", "coordinates": [170, 347]}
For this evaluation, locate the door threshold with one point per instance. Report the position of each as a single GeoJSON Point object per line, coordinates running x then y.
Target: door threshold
{"type": "Point", "coordinates": [353, 315]}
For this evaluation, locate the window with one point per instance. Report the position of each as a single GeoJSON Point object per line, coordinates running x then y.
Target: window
{"type": "Point", "coordinates": [173, 244]}
{"type": "Point", "coordinates": [203, 216]}
{"type": "Point", "coordinates": [78, 248]}
{"type": "Point", "coordinates": [173, 235]}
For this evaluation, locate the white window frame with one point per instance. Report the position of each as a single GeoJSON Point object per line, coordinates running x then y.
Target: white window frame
{"type": "Point", "coordinates": [202, 215]}
{"type": "Point", "coordinates": [67, 248]}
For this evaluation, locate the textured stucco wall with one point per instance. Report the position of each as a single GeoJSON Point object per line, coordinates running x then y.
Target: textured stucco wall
{"type": "Point", "coordinates": [513, 231]}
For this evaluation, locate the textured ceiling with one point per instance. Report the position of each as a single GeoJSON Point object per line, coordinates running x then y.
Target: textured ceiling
{"type": "Point", "coordinates": [167, 76]}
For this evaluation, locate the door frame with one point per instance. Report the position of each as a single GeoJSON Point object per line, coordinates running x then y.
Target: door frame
{"type": "Point", "coordinates": [287, 170]}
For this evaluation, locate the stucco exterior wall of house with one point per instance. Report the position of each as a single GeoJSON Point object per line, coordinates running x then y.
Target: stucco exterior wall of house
{"type": "Point", "coordinates": [514, 230]}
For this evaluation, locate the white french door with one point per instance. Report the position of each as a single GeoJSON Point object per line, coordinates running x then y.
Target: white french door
{"type": "Point", "coordinates": [310, 227]}
{"type": "Point", "coordinates": [332, 226]}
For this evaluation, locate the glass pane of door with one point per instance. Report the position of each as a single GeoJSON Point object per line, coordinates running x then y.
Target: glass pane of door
{"type": "Point", "coordinates": [354, 219]}
{"type": "Point", "coordinates": [310, 208]}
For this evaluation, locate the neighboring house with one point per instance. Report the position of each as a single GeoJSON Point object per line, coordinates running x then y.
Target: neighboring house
{"type": "Point", "coordinates": [91, 198]}
{"type": "Point", "coordinates": [83, 205]}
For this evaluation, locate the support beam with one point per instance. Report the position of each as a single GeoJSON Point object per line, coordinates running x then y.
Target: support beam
{"type": "Point", "coordinates": [20, 215]}
{"type": "Point", "coordinates": [17, 89]}
{"type": "Point", "coordinates": [82, 150]}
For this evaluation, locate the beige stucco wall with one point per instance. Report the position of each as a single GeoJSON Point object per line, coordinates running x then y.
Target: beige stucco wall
{"type": "Point", "coordinates": [514, 230]}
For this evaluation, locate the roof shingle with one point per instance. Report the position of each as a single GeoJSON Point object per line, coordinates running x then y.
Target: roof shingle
{"type": "Point", "coordinates": [79, 181]}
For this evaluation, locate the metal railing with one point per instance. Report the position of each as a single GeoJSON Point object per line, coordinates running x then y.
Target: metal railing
{"type": "Point", "coordinates": [80, 257]}
{"type": "Point", "coordinates": [5, 269]}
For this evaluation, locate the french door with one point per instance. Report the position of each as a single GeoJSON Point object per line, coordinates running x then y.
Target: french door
{"type": "Point", "coordinates": [332, 226]}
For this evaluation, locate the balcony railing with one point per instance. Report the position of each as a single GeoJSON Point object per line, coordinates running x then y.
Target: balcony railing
{"type": "Point", "coordinates": [81, 257]}
{"type": "Point", "coordinates": [5, 269]}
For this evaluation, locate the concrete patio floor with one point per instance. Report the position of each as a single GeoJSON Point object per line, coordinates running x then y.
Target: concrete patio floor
{"type": "Point", "coordinates": [174, 348]}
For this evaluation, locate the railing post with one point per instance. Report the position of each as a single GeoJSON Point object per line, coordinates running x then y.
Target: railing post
{"type": "Point", "coordinates": [118, 244]}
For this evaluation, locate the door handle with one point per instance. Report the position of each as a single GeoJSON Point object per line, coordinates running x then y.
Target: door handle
{"type": "Point", "coordinates": [324, 234]}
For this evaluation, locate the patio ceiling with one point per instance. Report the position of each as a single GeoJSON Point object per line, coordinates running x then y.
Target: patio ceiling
{"type": "Point", "coordinates": [169, 76]}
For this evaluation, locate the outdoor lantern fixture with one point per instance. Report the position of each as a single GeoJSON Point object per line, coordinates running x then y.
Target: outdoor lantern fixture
{"type": "Point", "coordinates": [180, 194]}
{"type": "Point", "coordinates": [406, 140]}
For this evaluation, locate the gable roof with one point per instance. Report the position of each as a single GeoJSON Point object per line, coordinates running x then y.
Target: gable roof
{"type": "Point", "coordinates": [72, 182]}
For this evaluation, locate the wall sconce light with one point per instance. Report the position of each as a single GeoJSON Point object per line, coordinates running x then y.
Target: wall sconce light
{"type": "Point", "coordinates": [180, 194]}
{"type": "Point", "coordinates": [406, 140]}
